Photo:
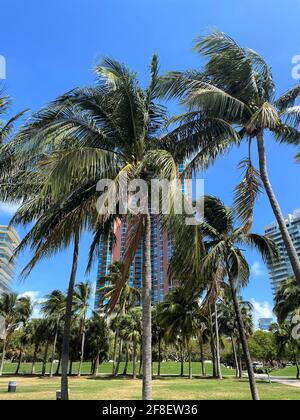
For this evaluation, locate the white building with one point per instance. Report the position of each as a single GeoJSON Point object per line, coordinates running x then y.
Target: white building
{"type": "Point", "coordinates": [281, 269]}
{"type": "Point", "coordinates": [9, 240]}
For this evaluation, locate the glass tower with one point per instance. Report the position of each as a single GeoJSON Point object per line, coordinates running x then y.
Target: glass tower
{"type": "Point", "coordinates": [9, 240]}
{"type": "Point", "coordinates": [281, 269]}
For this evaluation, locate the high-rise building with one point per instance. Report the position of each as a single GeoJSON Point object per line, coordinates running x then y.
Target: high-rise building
{"type": "Point", "coordinates": [160, 255]}
{"type": "Point", "coordinates": [281, 269]}
{"type": "Point", "coordinates": [161, 252]}
{"type": "Point", "coordinates": [9, 240]}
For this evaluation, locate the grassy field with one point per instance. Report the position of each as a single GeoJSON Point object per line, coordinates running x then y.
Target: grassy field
{"type": "Point", "coordinates": [128, 389]}
{"type": "Point", "coordinates": [167, 368]}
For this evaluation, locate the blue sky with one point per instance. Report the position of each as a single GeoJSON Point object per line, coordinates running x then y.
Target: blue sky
{"type": "Point", "coordinates": [52, 46]}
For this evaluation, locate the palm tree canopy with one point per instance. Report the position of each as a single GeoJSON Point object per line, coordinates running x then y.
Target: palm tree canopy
{"type": "Point", "coordinates": [287, 299]}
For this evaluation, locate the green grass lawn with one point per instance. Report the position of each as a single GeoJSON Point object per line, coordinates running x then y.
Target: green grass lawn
{"type": "Point", "coordinates": [128, 389]}
{"type": "Point", "coordinates": [167, 368]}
{"type": "Point", "coordinates": [288, 371]}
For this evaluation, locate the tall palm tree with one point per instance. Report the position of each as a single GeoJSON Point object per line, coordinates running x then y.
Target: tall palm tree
{"type": "Point", "coordinates": [229, 325]}
{"type": "Point", "coordinates": [287, 343]}
{"type": "Point", "coordinates": [24, 309]}
{"type": "Point", "coordinates": [129, 297]}
{"type": "Point", "coordinates": [223, 242]}
{"type": "Point", "coordinates": [97, 338]}
{"type": "Point", "coordinates": [89, 134]}
{"type": "Point", "coordinates": [180, 316]}
{"type": "Point", "coordinates": [9, 310]}
{"type": "Point", "coordinates": [54, 306]}
{"type": "Point", "coordinates": [231, 100]}
{"type": "Point", "coordinates": [82, 298]}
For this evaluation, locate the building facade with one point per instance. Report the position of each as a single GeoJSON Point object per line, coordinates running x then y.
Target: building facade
{"type": "Point", "coordinates": [160, 255]}
{"type": "Point", "coordinates": [281, 269]}
{"type": "Point", "coordinates": [9, 240]}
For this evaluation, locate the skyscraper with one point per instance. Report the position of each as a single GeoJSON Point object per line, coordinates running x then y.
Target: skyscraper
{"type": "Point", "coordinates": [161, 252]}
{"type": "Point", "coordinates": [9, 240]}
{"type": "Point", "coordinates": [281, 269]}
{"type": "Point", "coordinates": [160, 255]}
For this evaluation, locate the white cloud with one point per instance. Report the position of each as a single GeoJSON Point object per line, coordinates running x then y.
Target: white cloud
{"type": "Point", "coordinates": [8, 209]}
{"type": "Point", "coordinates": [257, 269]}
{"type": "Point", "coordinates": [261, 310]}
{"type": "Point", "coordinates": [36, 300]}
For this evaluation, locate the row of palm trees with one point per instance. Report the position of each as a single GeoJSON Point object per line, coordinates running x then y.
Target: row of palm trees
{"type": "Point", "coordinates": [52, 166]}
{"type": "Point", "coordinates": [180, 323]}
{"type": "Point", "coordinates": [17, 312]}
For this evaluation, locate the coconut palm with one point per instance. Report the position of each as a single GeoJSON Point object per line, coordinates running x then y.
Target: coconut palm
{"type": "Point", "coordinates": [231, 100]}
{"type": "Point", "coordinates": [129, 297]}
{"type": "Point", "coordinates": [222, 241]}
{"type": "Point", "coordinates": [287, 299]}
{"type": "Point", "coordinates": [287, 343]}
{"type": "Point", "coordinates": [54, 306]}
{"type": "Point", "coordinates": [82, 298]}
{"type": "Point", "coordinates": [97, 341]}
{"type": "Point", "coordinates": [86, 135]}
{"type": "Point", "coordinates": [229, 325]}
{"type": "Point", "coordinates": [179, 317]}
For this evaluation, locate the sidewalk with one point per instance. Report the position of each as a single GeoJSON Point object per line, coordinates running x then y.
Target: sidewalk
{"type": "Point", "coordinates": [279, 379]}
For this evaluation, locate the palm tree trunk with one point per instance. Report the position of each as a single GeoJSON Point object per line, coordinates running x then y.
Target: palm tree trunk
{"type": "Point", "coordinates": [159, 356]}
{"type": "Point", "coordinates": [45, 359]}
{"type": "Point", "coordinates": [3, 357]}
{"type": "Point", "coordinates": [96, 365]}
{"type": "Point", "coordinates": [219, 370]}
{"type": "Point", "coordinates": [190, 364]}
{"type": "Point", "coordinates": [115, 353]}
{"type": "Point", "coordinates": [212, 344]}
{"type": "Point", "coordinates": [147, 327]}
{"type": "Point", "coordinates": [71, 367]}
{"type": "Point", "coordinates": [134, 359]}
{"type": "Point", "coordinates": [54, 350]}
{"type": "Point", "coordinates": [127, 360]}
{"type": "Point", "coordinates": [240, 361]}
{"type": "Point", "coordinates": [67, 326]}
{"type": "Point", "coordinates": [119, 358]}
{"type": "Point", "coordinates": [243, 338]}
{"type": "Point", "coordinates": [58, 366]}
{"type": "Point", "coordinates": [297, 367]}
{"type": "Point", "coordinates": [34, 361]}
{"type": "Point", "coordinates": [19, 361]}
{"type": "Point", "coordinates": [290, 248]}
{"type": "Point", "coordinates": [236, 362]}
{"type": "Point", "coordinates": [202, 359]}
{"type": "Point", "coordinates": [141, 359]}
{"type": "Point", "coordinates": [82, 346]}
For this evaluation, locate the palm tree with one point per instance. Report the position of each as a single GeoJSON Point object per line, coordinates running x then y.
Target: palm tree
{"type": "Point", "coordinates": [81, 304]}
{"type": "Point", "coordinates": [287, 343]}
{"type": "Point", "coordinates": [222, 242]}
{"type": "Point", "coordinates": [54, 306]}
{"type": "Point", "coordinates": [24, 309]}
{"type": "Point", "coordinates": [97, 340]}
{"type": "Point", "coordinates": [84, 136]}
{"type": "Point", "coordinates": [9, 310]}
{"type": "Point", "coordinates": [158, 333]}
{"type": "Point", "coordinates": [287, 299]}
{"type": "Point", "coordinates": [229, 325]}
{"type": "Point", "coordinates": [232, 100]}
{"type": "Point", "coordinates": [129, 297]}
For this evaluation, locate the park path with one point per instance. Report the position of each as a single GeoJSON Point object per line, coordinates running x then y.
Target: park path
{"type": "Point", "coordinates": [280, 380]}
